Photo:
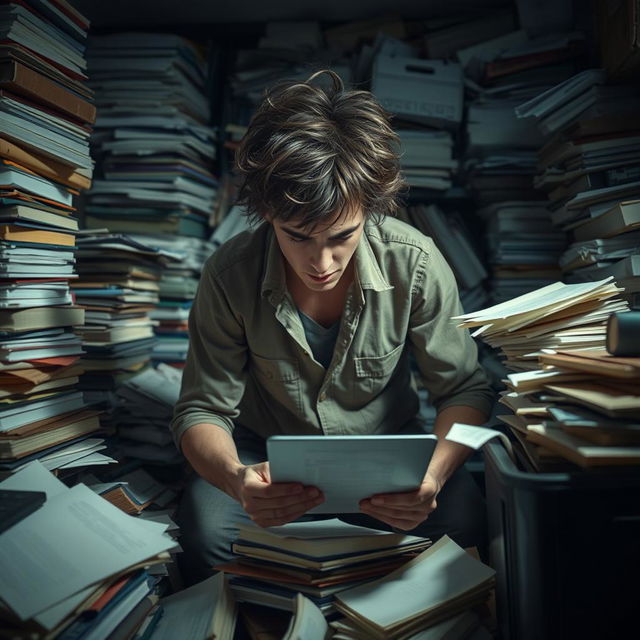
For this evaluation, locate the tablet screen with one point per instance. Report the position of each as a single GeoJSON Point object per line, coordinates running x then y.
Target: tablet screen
{"type": "Point", "coordinates": [349, 468]}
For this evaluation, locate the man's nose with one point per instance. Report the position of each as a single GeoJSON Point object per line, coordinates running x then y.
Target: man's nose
{"type": "Point", "coordinates": [321, 260]}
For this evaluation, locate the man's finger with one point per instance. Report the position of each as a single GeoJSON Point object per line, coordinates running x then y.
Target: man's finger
{"type": "Point", "coordinates": [276, 516]}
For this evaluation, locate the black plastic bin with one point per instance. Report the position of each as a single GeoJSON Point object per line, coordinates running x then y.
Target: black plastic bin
{"type": "Point", "coordinates": [566, 550]}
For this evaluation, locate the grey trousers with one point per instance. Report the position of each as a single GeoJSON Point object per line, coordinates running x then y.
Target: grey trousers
{"type": "Point", "coordinates": [209, 518]}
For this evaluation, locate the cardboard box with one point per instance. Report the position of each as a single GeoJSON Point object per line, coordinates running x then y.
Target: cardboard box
{"type": "Point", "coordinates": [425, 91]}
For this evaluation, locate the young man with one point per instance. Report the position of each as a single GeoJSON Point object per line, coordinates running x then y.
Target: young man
{"type": "Point", "coordinates": [305, 325]}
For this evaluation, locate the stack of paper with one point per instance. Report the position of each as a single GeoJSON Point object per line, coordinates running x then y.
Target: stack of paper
{"type": "Point", "coordinates": [590, 171]}
{"type": "Point", "coordinates": [87, 574]}
{"type": "Point", "coordinates": [442, 582]}
{"type": "Point", "coordinates": [523, 247]}
{"type": "Point", "coordinates": [318, 559]}
{"type": "Point", "coordinates": [500, 158]}
{"type": "Point", "coordinates": [571, 401]}
{"type": "Point", "coordinates": [46, 113]}
{"type": "Point", "coordinates": [558, 316]}
{"type": "Point", "coordinates": [152, 135]}
{"type": "Point", "coordinates": [145, 408]}
{"type": "Point", "coordinates": [426, 158]}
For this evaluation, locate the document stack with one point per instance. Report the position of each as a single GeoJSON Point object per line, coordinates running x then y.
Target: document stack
{"type": "Point", "coordinates": [500, 156]}
{"type": "Point", "coordinates": [145, 409]}
{"type": "Point", "coordinates": [46, 113]}
{"type": "Point", "coordinates": [590, 170]}
{"type": "Point", "coordinates": [567, 394]}
{"type": "Point", "coordinates": [89, 576]}
{"type": "Point", "coordinates": [318, 559]}
{"type": "Point", "coordinates": [523, 247]}
{"type": "Point", "coordinates": [438, 588]}
{"type": "Point", "coordinates": [155, 150]}
{"type": "Point", "coordinates": [118, 288]}
{"type": "Point", "coordinates": [152, 140]}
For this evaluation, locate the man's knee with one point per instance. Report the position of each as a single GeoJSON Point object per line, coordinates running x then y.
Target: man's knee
{"type": "Point", "coordinates": [207, 518]}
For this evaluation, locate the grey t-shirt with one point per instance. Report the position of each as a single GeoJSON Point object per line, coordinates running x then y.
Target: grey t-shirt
{"type": "Point", "coordinates": [322, 340]}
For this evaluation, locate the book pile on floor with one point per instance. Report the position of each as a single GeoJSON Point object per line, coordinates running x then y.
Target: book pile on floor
{"type": "Point", "coordinates": [46, 113]}
{"type": "Point", "coordinates": [349, 578]}
{"type": "Point", "coordinates": [77, 566]}
{"type": "Point", "coordinates": [317, 558]}
{"type": "Point", "coordinates": [572, 402]}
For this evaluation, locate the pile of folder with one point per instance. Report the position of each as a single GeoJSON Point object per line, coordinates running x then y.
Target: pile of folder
{"type": "Point", "coordinates": [572, 402]}
{"type": "Point", "coordinates": [46, 113]}
{"type": "Point", "coordinates": [590, 171]}
{"type": "Point", "coordinates": [318, 559]}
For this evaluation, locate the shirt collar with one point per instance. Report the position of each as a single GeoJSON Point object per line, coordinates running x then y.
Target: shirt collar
{"type": "Point", "coordinates": [369, 274]}
{"type": "Point", "coordinates": [368, 269]}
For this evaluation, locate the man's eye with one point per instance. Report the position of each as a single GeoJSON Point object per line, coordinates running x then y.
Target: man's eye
{"type": "Point", "coordinates": [341, 239]}
{"type": "Point", "coordinates": [294, 239]}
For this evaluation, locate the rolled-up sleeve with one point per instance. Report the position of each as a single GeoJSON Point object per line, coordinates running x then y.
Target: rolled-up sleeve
{"type": "Point", "coordinates": [214, 376]}
{"type": "Point", "coordinates": [446, 355]}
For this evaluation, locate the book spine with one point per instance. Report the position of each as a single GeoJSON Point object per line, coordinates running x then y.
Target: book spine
{"type": "Point", "coordinates": [32, 84]}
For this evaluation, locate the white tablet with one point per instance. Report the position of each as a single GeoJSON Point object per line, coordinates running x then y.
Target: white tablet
{"type": "Point", "coordinates": [349, 468]}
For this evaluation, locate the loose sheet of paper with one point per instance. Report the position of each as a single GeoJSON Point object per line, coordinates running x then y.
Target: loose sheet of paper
{"type": "Point", "coordinates": [475, 437]}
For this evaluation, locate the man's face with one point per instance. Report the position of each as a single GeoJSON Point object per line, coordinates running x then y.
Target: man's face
{"type": "Point", "coordinates": [319, 257]}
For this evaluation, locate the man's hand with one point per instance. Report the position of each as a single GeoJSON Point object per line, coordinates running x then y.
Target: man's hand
{"type": "Point", "coordinates": [270, 505]}
{"type": "Point", "coordinates": [404, 510]}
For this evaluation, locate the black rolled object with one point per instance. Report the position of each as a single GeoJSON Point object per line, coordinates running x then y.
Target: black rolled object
{"type": "Point", "coordinates": [623, 334]}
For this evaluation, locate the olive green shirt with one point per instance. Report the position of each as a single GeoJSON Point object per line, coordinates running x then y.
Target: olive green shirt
{"type": "Point", "coordinates": [249, 361]}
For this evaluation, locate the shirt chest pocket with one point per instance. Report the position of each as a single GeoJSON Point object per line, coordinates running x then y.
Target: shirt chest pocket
{"type": "Point", "coordinates": [373, 372]}
{"type": "Point", "coordinates": [280, 379]}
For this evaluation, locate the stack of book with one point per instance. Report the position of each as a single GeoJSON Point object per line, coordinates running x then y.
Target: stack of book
{"type": "Point", "coordinates": [318, 559]}
{"type": "Point", "coordinates": [570, 399]}
{"type": "Point", "coordinates": [133, 491]}
{"type": "Point", "coordinates": [500, 154]}
{"type": "Point", "coordinates": [590, 170]}
{"type": "Point", "coordinates": [178, 285]}
{"type": "Point", "coordinates": [145, 408]}
{"type": "Point", "coordinates": [523, 247]}
{"type": "Point", "coordinates": [88, 581]}
{"type": "Point", "coordinates": [46, 113]}
{"type": "Point", "coordinates": [118, 287]}
{"type": "Point", "coordinates": [152, 141]}
{"type": "Point", "coordinates": [155, 150]}
{"type": "Point", "coordinates": [426, 158]}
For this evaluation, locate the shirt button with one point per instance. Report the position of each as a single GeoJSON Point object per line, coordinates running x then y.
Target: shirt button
{"type": "Point", "coordinates": [323, 396]}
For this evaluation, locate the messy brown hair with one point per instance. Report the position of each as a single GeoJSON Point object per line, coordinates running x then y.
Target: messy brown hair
{"type": "Point", "coordinates": [311, 152]}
